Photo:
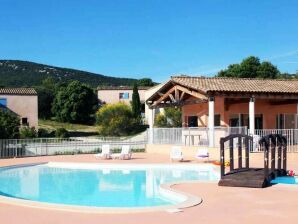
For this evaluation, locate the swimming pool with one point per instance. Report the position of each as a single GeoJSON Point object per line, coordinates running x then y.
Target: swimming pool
{"type": "Point", "coordinates": [285, 180]}
{"type": "Point", "coordinates": [101, 185]}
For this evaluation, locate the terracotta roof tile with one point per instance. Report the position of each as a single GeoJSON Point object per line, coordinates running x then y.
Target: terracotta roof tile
{"type": "Point", "coordinates": [17, 91]}
{"type": "Point", "coordinates": [206, 85]}
{"type": "Point", "coordinates": [122, 87]}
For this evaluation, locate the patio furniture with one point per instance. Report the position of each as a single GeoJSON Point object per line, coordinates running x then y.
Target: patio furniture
{"type": "Point", "coordinates": [124, 154]}
{"type": "Point", "coordinates": [105, 152]}
{"type": "Point", "coordinates": [191, 138]}
{"type": "Point", "coordinates": [176, 153]}
{"type": "Point", "coordinates": [202, 154]}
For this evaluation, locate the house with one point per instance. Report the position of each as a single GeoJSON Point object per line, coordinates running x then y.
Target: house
{"type": "Point", "coordinates": [230, 102]}
{"type": "Point", "coordinates": [115, 94]}
{"type": "Point", "coordinates": [21, 101]}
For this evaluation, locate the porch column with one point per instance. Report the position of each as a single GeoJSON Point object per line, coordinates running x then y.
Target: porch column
{"type": "Point", "coordinates": [252, 116]}
{"type": "Point", "coordinates": [211, 121]}
{"type": "Point", "coordinates": [151, 125]}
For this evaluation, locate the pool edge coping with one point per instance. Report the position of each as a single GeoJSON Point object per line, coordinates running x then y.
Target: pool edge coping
{"type": "Point", "coordinates": [190, 201]}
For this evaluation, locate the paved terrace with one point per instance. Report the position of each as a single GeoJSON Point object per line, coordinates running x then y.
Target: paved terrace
{"type": "Point", "coordinates": [276, 204]}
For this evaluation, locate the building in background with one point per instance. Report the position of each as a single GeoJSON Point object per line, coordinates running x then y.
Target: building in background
{"type": "Point", "coordinates": [21, 101]}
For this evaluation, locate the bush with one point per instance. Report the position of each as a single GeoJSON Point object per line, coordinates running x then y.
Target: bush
{"type": "Point", "coordinates": [9, 125]}
{"type": "Point", "coordinates": [61, 133]}
{"type": "Point", "coordinates": [116, 120]}
{"type": "Point", "coordinates": [28, 132]}
{"type": "Point", "coordinates": [44, 133]}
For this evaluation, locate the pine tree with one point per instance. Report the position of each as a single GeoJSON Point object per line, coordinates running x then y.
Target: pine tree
{"type": "Point", "coordinates": [136, 103]}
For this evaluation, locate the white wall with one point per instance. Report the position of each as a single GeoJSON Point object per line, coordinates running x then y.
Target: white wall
{"type": "Point", "coordinates": [112, 96]}
{"type": "Point", "coordinates": [26, 106]}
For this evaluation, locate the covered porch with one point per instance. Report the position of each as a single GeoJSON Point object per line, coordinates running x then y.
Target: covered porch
{"type": "Point", "coordinates": [218, 103]}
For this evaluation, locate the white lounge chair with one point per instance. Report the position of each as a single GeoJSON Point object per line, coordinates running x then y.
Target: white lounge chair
{"type": "Point", "coordinates": [202, 154]}
{"type": "Point", "coordinates": [124, 154]}
{"type": "Point", "coordinates": [105, 152]}
{"type": "Point", "coordinates": [176, 153]}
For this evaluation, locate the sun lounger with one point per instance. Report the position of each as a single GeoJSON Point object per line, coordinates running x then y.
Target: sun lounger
{"type": "Point", "coordinates": [202, 154]}
{"type": "Point", "coordinates": [124, 154]}
{"type": "Point", "coordinates": [176, 153]}
{"type": "Point", "coordinates": [105, 152]}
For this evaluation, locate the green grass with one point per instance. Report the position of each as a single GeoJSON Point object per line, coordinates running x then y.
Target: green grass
{"type": "Point", "coordinates": [53, 125]}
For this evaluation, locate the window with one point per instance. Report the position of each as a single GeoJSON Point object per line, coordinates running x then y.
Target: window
{"type": "Point", "coordinates": [242, 120]}
{"type": "Point", "coordinates": [24, 121]}
{"type": "Point", "coordinates": [217, 120]}
{"type": "Point", "coordinates": [3, 102]}
{"type": "Point", "coordinates": [287, 121]}
{"type": "Point", "coordinates": [192, 121]}
{"type": "Point", "coordinates": [123, 96]}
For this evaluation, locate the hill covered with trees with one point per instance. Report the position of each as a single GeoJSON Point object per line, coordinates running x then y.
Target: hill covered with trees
{"type": "Point", "coordinates": [15, 73]}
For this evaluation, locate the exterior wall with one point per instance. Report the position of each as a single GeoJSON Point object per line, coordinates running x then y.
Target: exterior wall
{"type": "Point", "coordinates": [150, 114]}
{"type": "Point", "coordinates": [112, 96]}
{"type": "Point", "coordinates": [261, 107]}
{"type": "Point", "coordinates": [26, 106]}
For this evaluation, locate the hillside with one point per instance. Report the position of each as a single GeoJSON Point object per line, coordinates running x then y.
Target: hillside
{"type": "Point", "coordinates": [14, 73]}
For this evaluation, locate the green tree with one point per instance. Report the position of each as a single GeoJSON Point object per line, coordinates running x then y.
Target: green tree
{"type": "Point", "coordinates": [75, 103]}
{"type": "Point", "coordinates": [9, 125]}
{"type": "Point", "coordinates": [145, 82]}
{"type": "Point", "coordinates": [172, 117]}
{"type": "Point", "coordinates": [251, 67]}
{"type": "Point", "coordinates": [136, 103]}
{"type": "Point", "coordinates": [116, 120]}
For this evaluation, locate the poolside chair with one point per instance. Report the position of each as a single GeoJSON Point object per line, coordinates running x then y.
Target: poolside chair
{"type": "Point", "coordinates": [105, 152]}
{"type": "Point", "coordinates": [176, 153]}
{"type": "Point", "coordinates": [202, 154]}
{"type": "Point", "coordinates": [124, 154]}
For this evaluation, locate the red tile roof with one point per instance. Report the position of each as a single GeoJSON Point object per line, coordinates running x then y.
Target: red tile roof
{"type": "Point", "coordinates": [206, 85]}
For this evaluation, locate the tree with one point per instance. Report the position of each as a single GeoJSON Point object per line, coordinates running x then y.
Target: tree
{"type": "Point", "coordinates": [251, 67]}
{"type": "Point", "coordinates": [116, 120]}
{"type": "Point", "coordinates": [46, 93]}
{"type": "Point", "coordinates": [172, 117]}
{"type": "Point", "coordinates": [9, 125]}
{"type": "Point", "coordinates": [75, 103]}
{"type": "Point", "coordinates": [136, 103]}
{"type": "Point", "coordinates": [145, 82]}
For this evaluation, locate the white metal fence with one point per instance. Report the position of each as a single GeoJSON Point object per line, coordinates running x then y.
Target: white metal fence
{"type": "Point", "coordinates": [290, 134]}
{"type": "Point", "coordinates": [55, 146]}
{"type": "Point", "coordinates": [190, 136]}
{"type": "Point", "coordinates": [199, 136]}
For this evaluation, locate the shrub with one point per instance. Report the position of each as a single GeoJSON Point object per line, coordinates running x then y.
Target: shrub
{"type": "Point", "coordinates": [43, 133]}
{"type": "Point", "coordinates": [61, 133]}
{"type": "Point", "coordinates": [116, 120]}
{"type": "Point", "coordinates": [28, 132]}
{"type": "Point", "coordinates": [9, 125]}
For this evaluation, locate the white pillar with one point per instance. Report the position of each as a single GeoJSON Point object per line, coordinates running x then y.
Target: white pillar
{"type": "Point", "coordinates": [211, 121]}
{"type": "Point", "coordinates": [151, 118]}
{"type": "Point", "coordinates": [252, 116]}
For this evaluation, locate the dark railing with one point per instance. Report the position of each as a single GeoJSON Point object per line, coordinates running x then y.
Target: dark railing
{"type": "Point", "coordinates": [270, 144]}
{"type": "Point", "coordinates": [242, 141]}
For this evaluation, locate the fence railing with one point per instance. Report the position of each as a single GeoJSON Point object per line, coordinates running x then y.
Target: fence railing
{"type": "Point", "coordinates": [55, 146]}
{"type": "Point", "coordinates": [190, 136]}
{"type": "Point", "coordinates": [290, 134]}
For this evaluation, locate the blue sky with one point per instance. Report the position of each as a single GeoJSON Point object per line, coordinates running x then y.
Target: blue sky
{"type": "Point", "coordinates": [149, 38]}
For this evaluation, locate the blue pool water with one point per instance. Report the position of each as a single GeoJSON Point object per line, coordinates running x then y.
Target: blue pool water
{"type": "Point", "coordinates": [100, 187]}
{"type": "Point", "coordinates": [285, 180]}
